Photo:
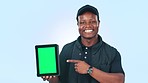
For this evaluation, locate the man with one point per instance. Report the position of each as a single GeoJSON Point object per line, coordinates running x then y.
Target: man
{"type": "Point", "coordinates": [89, 59]}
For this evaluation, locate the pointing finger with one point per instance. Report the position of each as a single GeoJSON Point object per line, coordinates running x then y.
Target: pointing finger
{"type": "Point", "coordinates": [73, 61]}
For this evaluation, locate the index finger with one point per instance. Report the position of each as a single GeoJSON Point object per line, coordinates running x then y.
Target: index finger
{"type": "Point", "coordinates": [73, 61]}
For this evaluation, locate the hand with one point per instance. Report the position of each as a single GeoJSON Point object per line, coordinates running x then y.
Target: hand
{"type": "Point", "coordinates": [80, 66]}
{"type": "Point", "coordinates": [48, 78]}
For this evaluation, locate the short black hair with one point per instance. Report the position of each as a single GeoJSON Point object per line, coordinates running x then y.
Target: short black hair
{"type": "Point", "coordinates": [87, 8]}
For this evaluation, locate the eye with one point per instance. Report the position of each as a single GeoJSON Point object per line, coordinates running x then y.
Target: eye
{"type": "Point", "coordinates": [93, 22]}
{"type": "Point", "coordinates": [82, 23]}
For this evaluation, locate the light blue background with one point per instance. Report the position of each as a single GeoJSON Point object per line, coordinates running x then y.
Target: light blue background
{"type": "Point", "coordinates": [25, 23]}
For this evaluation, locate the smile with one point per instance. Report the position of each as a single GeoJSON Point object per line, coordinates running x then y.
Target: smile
{"type": "Point", "coordinates": [88, 31]}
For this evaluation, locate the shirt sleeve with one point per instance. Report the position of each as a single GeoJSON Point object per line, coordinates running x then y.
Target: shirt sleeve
{"type": "Point", "coordinates": [116, 66]}
{"type": "Point", "coordinates": [64, 66]}
{"type": "Point", "coordinates": [62, 58]}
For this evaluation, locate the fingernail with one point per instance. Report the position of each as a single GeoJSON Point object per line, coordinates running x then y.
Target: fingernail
{"type": "Point", "coordinates": [46, 77]}
{"type": "Point", "coordinates": [67, 61]}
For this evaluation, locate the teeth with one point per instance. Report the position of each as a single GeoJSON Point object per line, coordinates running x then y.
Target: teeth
{"type": "Point", "coordinates": [88, 31]}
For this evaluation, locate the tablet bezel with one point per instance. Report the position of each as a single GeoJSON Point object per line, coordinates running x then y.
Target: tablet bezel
{"type": "Point", "coordinates": [57, 59]}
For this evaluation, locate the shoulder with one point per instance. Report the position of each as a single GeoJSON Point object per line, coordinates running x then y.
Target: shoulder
{"type": "Point", "coordinates": [69, 45]}
{"type": "Point", "coordinates": [110, 51]}
{"type": "Point", "coordinates": [67, 48]}
{"type": "Point", "coordinates": [109, 48]}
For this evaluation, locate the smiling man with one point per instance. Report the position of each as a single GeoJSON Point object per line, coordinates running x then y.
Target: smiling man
{"type": "Point", "coordinates": [89, 59]}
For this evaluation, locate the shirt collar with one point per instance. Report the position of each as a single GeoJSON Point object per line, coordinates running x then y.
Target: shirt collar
{"type": "Point", "coordinates": [94, 48]}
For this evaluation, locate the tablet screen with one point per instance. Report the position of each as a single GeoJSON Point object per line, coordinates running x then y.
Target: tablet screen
{"type": "Point", "coordinates": [47, 59]}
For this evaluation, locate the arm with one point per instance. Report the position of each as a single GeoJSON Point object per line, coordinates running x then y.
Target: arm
{"type": "Point", "coordinates": [116, 74]}
{"type": "Point", "coordinates": [104, 77]}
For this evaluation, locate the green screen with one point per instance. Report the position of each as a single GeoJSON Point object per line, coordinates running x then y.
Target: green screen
{"type": "Point", "coordinates": [47, 60]}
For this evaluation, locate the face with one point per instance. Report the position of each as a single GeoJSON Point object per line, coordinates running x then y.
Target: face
{"type": "Point", "coordinates": [88, 25]}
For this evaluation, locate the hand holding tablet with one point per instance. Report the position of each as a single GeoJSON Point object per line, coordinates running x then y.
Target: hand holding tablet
{"type": "Point", "coordinates": [52, 79]}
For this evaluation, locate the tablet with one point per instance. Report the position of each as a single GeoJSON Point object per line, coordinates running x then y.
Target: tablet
{"type": "Point", "coordinates": [47, 60]}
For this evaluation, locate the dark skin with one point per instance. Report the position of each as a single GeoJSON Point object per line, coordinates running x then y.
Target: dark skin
{"type": "Point", "coordinates": [88, 28]}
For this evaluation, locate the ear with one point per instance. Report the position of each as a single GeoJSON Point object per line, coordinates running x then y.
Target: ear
{"type": "Point", "coordinates": [98, 23]}
{"type": "Point", "coordinates": [77, 23]}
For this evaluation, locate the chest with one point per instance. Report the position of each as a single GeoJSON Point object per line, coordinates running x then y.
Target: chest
{"type": "Point", "coordinates": [98, 58]}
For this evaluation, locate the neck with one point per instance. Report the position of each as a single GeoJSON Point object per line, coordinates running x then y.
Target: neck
{"type": "Point", "coordinates": [89, 42]}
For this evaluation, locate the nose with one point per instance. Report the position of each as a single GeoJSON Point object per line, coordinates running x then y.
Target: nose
{"type": "Point", "coordinates": [88, 25]}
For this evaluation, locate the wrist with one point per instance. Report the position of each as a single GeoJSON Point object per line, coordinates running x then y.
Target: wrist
{"type": "Point", "coordinates": [90, 70]}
